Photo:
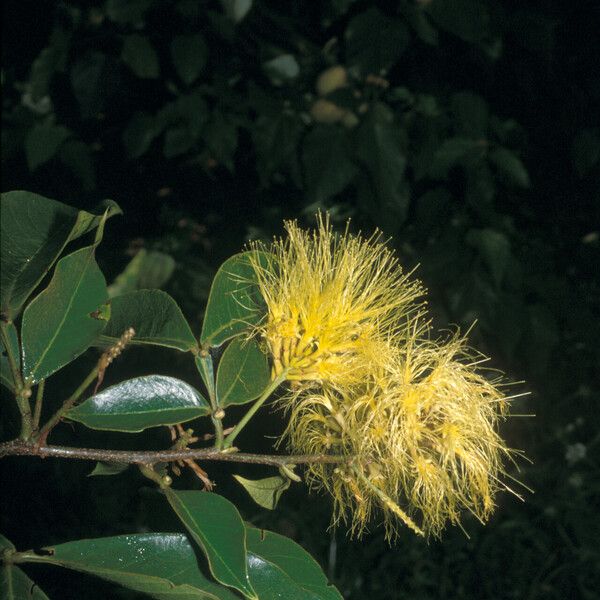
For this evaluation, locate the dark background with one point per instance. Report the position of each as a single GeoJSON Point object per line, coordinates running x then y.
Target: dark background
{"type": "Point", "coordinates": [470, 135]}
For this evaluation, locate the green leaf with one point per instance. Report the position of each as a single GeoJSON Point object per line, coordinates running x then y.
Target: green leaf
{"type": "Point", "coordinates": [77, 156]}
{"type": "Point", "coordinates": [236, 10]}
{"type": "Point", "coordinates": [64, 319]}
{"type": "Point", "coordinates": [108, 468]}
{"type": "Point", "coordinates": [453, 151]}
{"type": "Point", "coordinates": [15, 585]}
{"type": "Point", "coordinates": [375, 42]}
{"type": "Point", "coordinates": [265, 492]}
{"type": "Point", "coordinates": [162, 565]}
{"type": "Point", "coordinates": [178, 140]}
{"type": "Point", "coordinates": [6, 376]}
{"type": "Point", "coordinates": [146, 270]}
{"type": "Point", "coordinates": [282, 68]}
{"type": "Point", "coordinates": [243, 373]}
{"type": "Point", "coordinates": [42, 143]}
{"type": "Point", "coordinates": [585, 151]}
{"type": "Point", "coordinates": [494, 248]}
{"type": "Point", "coordinates": [139, 55]}
{"type": "Point", "coordinates": [234, 302]}
{"type": "Point", "coordinates": [127, 11]}
{"type": "Point", "coordinates": [140, 403]}
{"type": "Point", "coordinates": [156, 318]}
{"type": "Point", "coordinates": [471, 114]}
{"type": "Point", "coordinates": [292, 559]}
{"type": "Point", "coordinates": [139, 134]}
{"type": "Point", "coordinates": [378, 148]}
{"type": "Point", "coordinates": [466, 19]}
{"type": "Point", "coordinates": [327, 165]}
{"type": "Point", "coordinates": [33, 232]}
{"type": "Point", "coordinates": [189, 54]}
{"type": "Point", "coordinates": [510, 167]}
{"type": "Point", "coordinates": [217, 527]}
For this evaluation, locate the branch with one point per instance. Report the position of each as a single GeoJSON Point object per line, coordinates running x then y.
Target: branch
{"type": "Point", "coordinates": [20, 448]}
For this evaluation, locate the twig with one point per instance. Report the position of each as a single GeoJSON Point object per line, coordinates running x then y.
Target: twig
{"type": "Point", "coordinates": [20, 448]}
{"type": "Point", "coordinates": [39, 399]}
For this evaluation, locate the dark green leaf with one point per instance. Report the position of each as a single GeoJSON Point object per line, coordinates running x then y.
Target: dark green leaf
{"type": "Point", "coordinates": [265, 492]}
{"type": "Point", "coordinates": [65, 318]}
{"type": "Point", "coordinates": [378, 148]}
{"type": "Point", "coordinates": [178, 140]}
{"type": "Point", "coordinates": [328, 168]}
{"type": "Point", "coordinates": [156, 318]}
{"type": "Point", "coordinates": [136, 404]}
{"type": "Point", "coordinates": [139, 134]}
{"type": "Point", "coordinates": [494, 248]}
{"type": "Point", "coordinates": [466, 19]}
{"type": "Point", "coordinates": [6, 376]}
{"type": "Point", "coordinates": [471, 115]}
{"type": "Point", "coordinates": [217, 527]}
{"type": "Point", "coordinates": [292, 559]}
{"type": "Point", "coordinates": [189, 54]}
{"type": "Point", "coordinates": [42, 143]}
{"type": "Point", "coordinates": [33, 232]}
{"type": "Point", "coordinates": [139, 55]}
{"type": "Point", "coordinates": [375, 42]}
{"type": "Point", "coordinates": [77, 155]}
{"type": "Point", "coordinates": [146, 270]}
{"type": "Point", "coordinates": [510, 167]}
{"type": "Point", "coordinates": [162, 565]}
{"type": "Point", "coordinates": [452, 152]}
{"type": "Point", "coordinates": [234, 303]}
{"type": "Point", "coordinates": [106, 468]}
{"type": "Point", "coordinates": [236, 9]}
{"type": "Point", "coordinates": [50, 60]}
{"type": "Point", "coordinates": [282, 68]}
{"type": "Point", "coordinates": [220, 135]}
{"type": "Point", "coordinates": [243, 373]}
{"type": "Point", "coordinates": [127, 11]}
{"type": "Point", "coordinates": [585, 151]}
{"type": "Point", "coordinates": [15, 585]}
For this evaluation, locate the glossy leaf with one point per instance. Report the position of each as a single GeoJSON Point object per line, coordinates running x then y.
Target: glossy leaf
{"type": "Point", "coordinates": [108, 468]}
{"type": "Point", "coordinates": [243, 373]}
{"type": "Point", "coordinates": [189, 53]}
{"type": "Point", "coordinates": [33, 232]}
{"type": "Point", "coordinates": [6, 376]}
{"type": "Point", "coordinates": [217, 527]}
{"type": "Point", "coordinates": [162, 565]}
{"type": "Point", "coordinates": [265, 492]}
{"type": "Point", "coordinates": [140, 403]}
{"type": "Point", "coordinates": [292, 559]}
{"type": "Point", "coordinates": [156, 318]}
{"type": "Point", "coordinates": [65, 318]}
{"type": "Point", "coordinates": [234, 303]}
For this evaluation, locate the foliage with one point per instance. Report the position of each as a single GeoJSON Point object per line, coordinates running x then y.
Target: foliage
{"type": "Point", "coordinates": [477, 149]}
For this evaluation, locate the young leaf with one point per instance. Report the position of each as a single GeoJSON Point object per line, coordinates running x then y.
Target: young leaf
{"type": "Point", "coordinates": [234, 303]}
{"type": "Point", "coordinates": [162, 565]}
{"type": "Point", "coordinates": [265, 492]}
{"type": "Point", "coordinates": [243, 373]}
{"type": "Point", "coordinates": [65, 318]}
{"type": "Point", "coordinates": [33, 232]}
{"type": "Point", "coordinates": [156, 318]}
{"type": "Point", "coordinates": [217, 527]}
{"type": "Point", "coordinates": [140, 403]}
{"type": "Point", "coordinates": [292, 559]}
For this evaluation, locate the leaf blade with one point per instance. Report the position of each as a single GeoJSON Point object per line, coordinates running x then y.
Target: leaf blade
{"type": "Point", "coordinates": [140, 403]}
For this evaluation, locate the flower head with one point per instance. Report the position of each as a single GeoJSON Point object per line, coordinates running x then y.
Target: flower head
{"type": "Point", "coordinates": [416, 419]}
{"type": "Point", "coordinates": [332, 303]}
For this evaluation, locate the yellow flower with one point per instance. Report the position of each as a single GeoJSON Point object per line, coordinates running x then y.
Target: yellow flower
{"type": "Point", "coordinates": [422, 440]}
{"type": "Point", "coordinates": [332, 301]}
{"type": "Point", "coordinates": [416, 419]}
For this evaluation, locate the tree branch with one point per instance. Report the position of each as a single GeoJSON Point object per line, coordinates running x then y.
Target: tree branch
{"type": "Point", "coordinates": [20, 448]}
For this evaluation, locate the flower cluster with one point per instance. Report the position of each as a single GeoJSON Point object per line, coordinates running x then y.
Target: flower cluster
{"type": "Point", "coordinates": [415, 417]}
